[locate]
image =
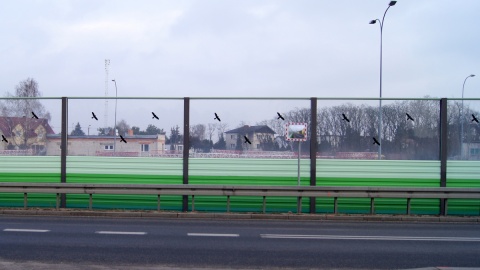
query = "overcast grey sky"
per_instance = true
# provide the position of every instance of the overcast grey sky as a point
(245, 48)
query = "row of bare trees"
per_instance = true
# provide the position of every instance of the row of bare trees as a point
(402, 138)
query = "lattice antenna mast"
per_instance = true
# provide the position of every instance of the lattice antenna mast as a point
(107, 64)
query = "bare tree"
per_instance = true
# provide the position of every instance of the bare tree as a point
(22, 110)
(198, 131)
(27, 91)
(221, 128)
(211, 129)
(123, 127)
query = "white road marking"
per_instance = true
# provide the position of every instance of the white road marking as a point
(24, 230)
(123, 233)
(214, 234)
(384, 238)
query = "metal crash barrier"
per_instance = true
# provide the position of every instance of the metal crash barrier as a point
(228, 191)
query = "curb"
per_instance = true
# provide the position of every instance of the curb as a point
(237, 216)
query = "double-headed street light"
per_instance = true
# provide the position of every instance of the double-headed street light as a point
(462, 117)
(391, 4)
(115, 126)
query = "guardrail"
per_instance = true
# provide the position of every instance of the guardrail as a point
(228, 191)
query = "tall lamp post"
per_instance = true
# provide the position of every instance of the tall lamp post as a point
(462, 117)
(391, 4)
(115, 126)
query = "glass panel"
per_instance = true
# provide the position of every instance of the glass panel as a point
(349, 129)
(144, 127)
(463, 130)
(220, 128)
(26, 125)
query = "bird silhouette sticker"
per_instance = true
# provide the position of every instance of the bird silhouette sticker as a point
(216, 117)
(122, 139)
(154, 116)
(34, 115)
(409, 117)
(94, 116)
(247, 140)
(4, 139)
(474, 118)
(344, 117)
(375, 141)
(280, 116)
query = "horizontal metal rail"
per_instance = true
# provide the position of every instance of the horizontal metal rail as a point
(261, 191)
(239, 98)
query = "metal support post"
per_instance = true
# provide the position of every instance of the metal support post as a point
(64, 150)
(186, 147)
(409, 206)
(299, 205)
(264, 205)
(443, 150)
(90, 201)
(313, 151)
(25, 200)
(228, 204)
(335, 205)
(372, 206)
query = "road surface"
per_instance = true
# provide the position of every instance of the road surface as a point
(127, 242)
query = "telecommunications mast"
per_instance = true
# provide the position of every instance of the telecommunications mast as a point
(107, 63)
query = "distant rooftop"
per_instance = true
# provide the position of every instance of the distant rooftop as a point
(252, 129)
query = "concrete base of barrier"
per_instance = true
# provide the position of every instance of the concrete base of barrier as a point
(223, 216)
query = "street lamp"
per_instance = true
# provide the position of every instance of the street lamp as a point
(391, 4)
(462, 117)
(115, 126)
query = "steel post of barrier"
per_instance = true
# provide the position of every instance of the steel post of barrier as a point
(186, 147)
(409, 206)
(443, 151)
(372, 206)
(313, 151)
(228, 204)
(64, 150)
(335, 205)
(264, 204)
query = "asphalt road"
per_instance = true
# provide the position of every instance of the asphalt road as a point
(223, 244)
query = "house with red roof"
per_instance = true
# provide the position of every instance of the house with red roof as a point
(24, 134)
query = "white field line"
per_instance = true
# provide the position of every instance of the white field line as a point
(24, 230)
(214, 234)
(384, 238)
(122, 233)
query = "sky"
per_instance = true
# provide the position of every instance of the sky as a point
(248, 48)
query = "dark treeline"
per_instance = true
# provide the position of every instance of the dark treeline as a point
(402, 138)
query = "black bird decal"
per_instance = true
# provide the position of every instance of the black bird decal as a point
(345, 118)
(474, 118)
(375, 141)
(4, 139)
(94, 116)
(216, 117)
(280, 116)
(34, 115)
(122, 139)
(247, 140)
(154, 116)
(410, 118)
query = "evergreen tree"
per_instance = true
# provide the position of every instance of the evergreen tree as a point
(221, 144)
(77, 131)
